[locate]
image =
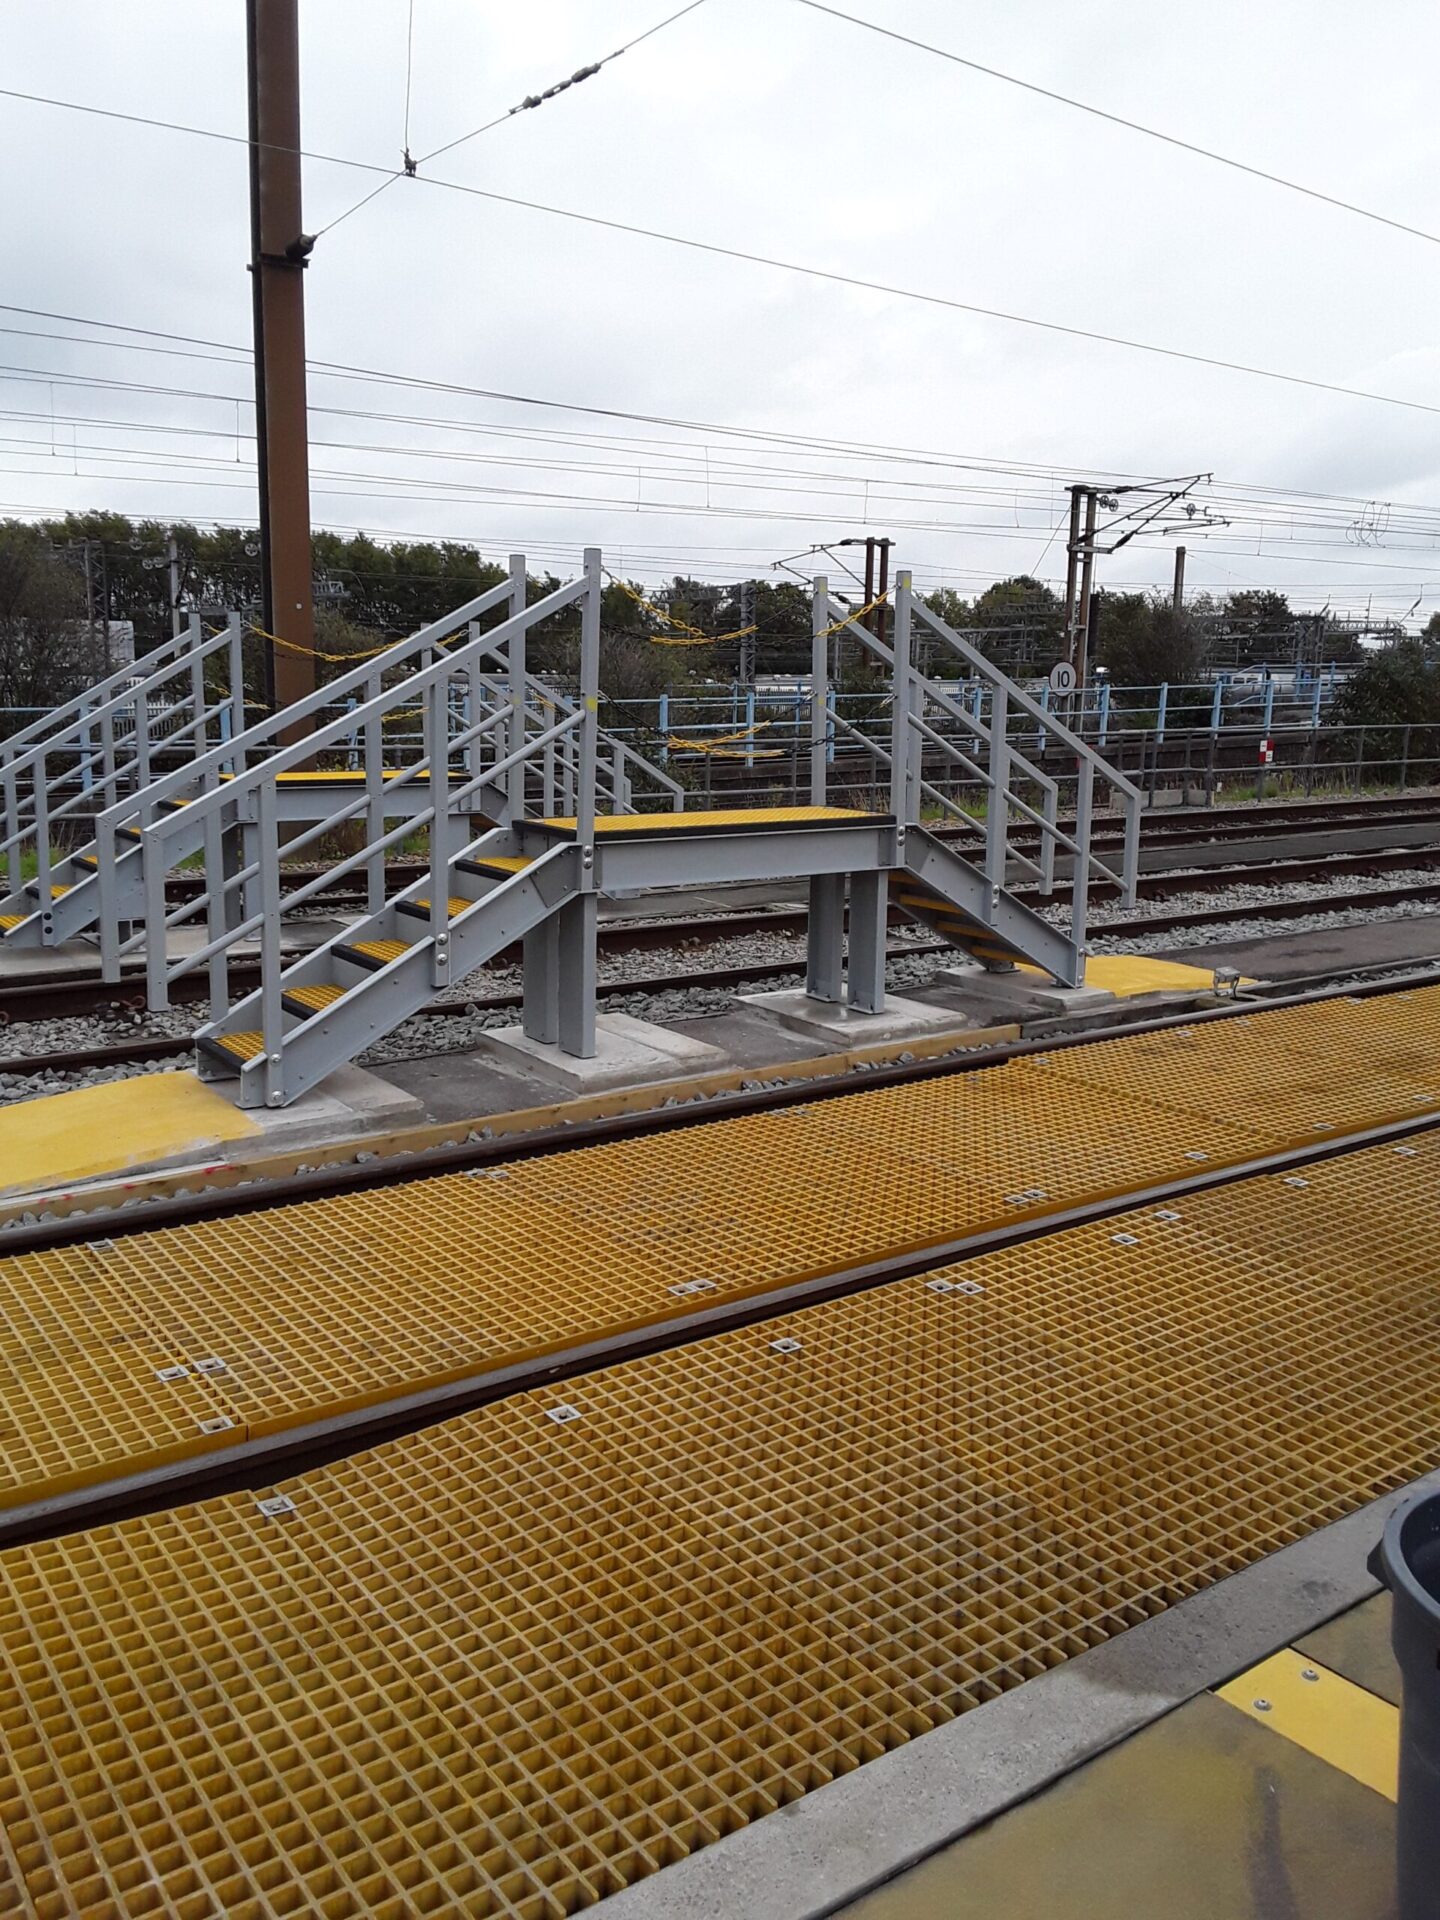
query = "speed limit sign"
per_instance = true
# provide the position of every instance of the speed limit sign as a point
(1062, 677)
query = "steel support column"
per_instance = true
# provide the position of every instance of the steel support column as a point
(540, 974)
(825, 937)
(865, 973)
(576, 924)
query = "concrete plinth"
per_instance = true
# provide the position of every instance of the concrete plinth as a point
(348, 1101)
(628, 1053)
(843, 1027)
(1019, 992)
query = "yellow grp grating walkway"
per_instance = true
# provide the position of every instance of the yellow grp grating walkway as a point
(525, 1658)
(246, 1327)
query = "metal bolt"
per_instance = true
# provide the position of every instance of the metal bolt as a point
(1262, 1706)
(1308, 1673)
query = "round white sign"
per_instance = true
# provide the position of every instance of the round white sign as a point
(1062, 677)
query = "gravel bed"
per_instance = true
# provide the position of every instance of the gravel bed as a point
(421, 1036)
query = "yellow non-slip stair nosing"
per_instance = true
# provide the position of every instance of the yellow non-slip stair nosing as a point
(522, 1659)
(1339, 1722)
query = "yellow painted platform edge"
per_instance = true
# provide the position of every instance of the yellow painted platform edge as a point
(1342, 1724)
(161, 1182)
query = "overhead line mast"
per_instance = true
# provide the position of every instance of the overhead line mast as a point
(279, 250)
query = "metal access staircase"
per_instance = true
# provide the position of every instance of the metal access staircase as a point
(968, 904)
(497, 873)
(342, 760)
(105, 749)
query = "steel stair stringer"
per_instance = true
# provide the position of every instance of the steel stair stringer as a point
(946, 893)
(366, 997)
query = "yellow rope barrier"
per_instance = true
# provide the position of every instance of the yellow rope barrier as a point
(684, 635)
(341, 659)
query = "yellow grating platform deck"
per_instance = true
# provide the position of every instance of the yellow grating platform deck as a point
(525, 1658)
(328, 1306)
(735, 818)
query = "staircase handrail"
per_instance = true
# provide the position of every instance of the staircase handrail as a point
(254, 788)
(265, 731)
(177, 645)
(612, 741)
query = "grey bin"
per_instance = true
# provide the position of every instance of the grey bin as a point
(1407, 1559)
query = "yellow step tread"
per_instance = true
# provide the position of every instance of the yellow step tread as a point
(607, 823)
(240, 1046)
(381, 949)
(316, 998)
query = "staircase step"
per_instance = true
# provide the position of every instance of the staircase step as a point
(90, 861)
(420, 909)
(56, 893)
(311, 1000)
(231, 1049)
(491, 864)
(128, 833)
(373, 954)
(8, 921)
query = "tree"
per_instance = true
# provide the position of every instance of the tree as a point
(45, 648)
(1259, 626)
(1143, 642)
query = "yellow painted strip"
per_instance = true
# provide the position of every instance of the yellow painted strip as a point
(728, 817)
(71, 1136)
(1329, 1716)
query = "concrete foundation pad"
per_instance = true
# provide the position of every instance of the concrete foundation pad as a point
(350, 1101)
(628, 1053)
(837, 1022)
(1022, 992)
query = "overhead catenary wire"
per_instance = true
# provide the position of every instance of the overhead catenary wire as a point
(1119, 120)
(411, 166)
(826, 275)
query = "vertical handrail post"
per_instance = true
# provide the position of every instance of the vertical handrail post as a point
(267, 855)
(819, 689)
(438, 758)
(516, 660)
(154, 862)
(590, 725)
(900, 706)
(201, 735)
(1080, 887)
(236, 651)
(997, 820)
(374, 799)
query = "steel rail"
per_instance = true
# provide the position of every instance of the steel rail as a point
(302, 1448)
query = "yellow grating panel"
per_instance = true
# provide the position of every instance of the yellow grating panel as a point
(240, 1046)
(315, 999)
(504, 862)
(514, 1663)
(455, 904)
(381, 949)
(1310, 1072)
(331, 1305)
(729, 817)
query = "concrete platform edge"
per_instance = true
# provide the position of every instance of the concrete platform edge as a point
(841, 1841)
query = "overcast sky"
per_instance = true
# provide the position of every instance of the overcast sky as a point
(759, 125)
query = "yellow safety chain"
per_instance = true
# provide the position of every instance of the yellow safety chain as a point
(342, 659)
(721, 739)
(683, 635)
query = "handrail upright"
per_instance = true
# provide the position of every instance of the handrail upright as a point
(997, 819)
(588, 757)
(374, 731)
(437, 720)
(819, 689)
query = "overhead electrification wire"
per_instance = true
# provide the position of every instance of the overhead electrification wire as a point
(824, 274)
(809, 447)
(1119, 120)
(412, 166)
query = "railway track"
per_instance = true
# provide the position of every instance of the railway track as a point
(755, 974)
